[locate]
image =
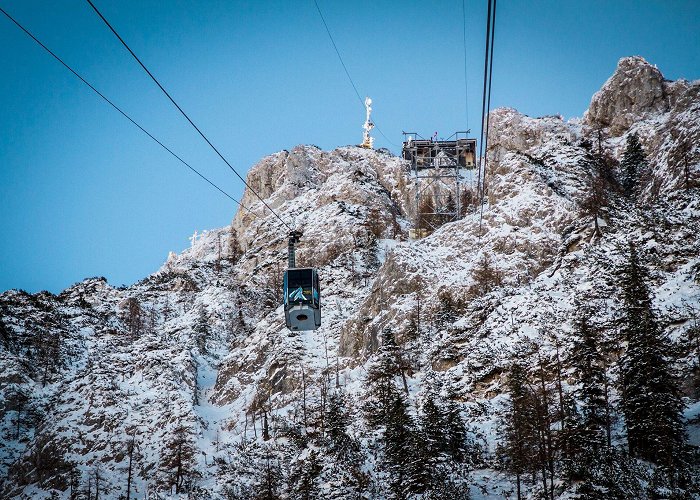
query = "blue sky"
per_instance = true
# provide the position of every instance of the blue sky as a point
(84, 193)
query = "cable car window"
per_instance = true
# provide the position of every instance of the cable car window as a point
(300, 286)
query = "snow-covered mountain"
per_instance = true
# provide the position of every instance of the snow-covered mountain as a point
(187, 383)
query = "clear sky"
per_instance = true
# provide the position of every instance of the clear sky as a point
(84, 193)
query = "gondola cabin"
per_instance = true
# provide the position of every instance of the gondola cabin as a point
(302, 299)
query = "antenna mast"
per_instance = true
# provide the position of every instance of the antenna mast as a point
(367, 140)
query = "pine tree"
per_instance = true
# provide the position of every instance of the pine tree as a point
(573, 443)
(47, 344)
(133, 316)
(178, 460)
(413, 331)
(590, 372)
(651, 400)
(305, 478)
(455, 431)
(150, 321)
(442, 446)
(337, 423)
(449, 209)
(267, 488)
(17, 400)
(387, 408)
(521, 441)
(134, 456)
(545, 435)
(447, 310)
(387, 365)
(234, 247)
(432, 424)
(6, 336)
(595, 198)
(45, 463)
(370, 254)
(404, 457)
(611, 476)
(486, 276)
(684, 157)
(633, 165)
(96, 480)
(201, 329)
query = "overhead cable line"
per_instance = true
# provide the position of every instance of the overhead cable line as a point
(466, 84)
(185, 114)
(483, 97)
(122, 112)
(345, 68)
(486, 104)
(464, 41)
(488, 98)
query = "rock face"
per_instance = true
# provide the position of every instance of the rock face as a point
(321, 193)
(636, 89)
(195, 361)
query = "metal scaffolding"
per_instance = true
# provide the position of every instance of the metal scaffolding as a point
(437, 163)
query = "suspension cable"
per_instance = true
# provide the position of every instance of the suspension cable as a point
(486, 104)
(488, 99)
(483, 99)
(345, 68)
(464, 41)
(122, 112)
(185, 114)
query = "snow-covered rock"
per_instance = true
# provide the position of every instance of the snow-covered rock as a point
(198, 354)
(636, 89)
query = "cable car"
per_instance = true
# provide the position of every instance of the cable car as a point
(302, 293)
(302, 299)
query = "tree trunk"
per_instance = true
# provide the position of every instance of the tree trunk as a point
(178, 471)
(131, 455)
(303, 401)
(546, 431)
(266, 430)
(19, 415)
